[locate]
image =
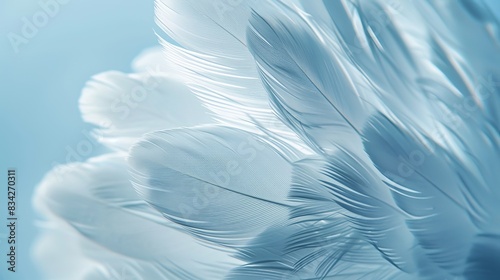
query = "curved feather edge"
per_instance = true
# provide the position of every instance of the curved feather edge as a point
(237, 191)
(96, 200)
(126, 106)
(315, 246)
(214, 61)
(366, 204)
(434, 187)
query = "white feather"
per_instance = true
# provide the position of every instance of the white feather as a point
(214, 61)
(97, 201)
(126, 106)
(223, 184)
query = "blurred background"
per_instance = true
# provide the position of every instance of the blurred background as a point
(41, 76)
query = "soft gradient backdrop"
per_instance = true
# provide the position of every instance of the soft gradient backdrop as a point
(40, 86)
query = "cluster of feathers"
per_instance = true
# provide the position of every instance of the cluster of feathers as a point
(293, 139)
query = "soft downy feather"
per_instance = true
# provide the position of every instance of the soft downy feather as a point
(126, 106)
(238, 199)
(238, 189)
(97, 201)
(58, 253)
(152, 60)
(212, 58)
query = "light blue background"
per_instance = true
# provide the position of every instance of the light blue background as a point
(40, 87)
